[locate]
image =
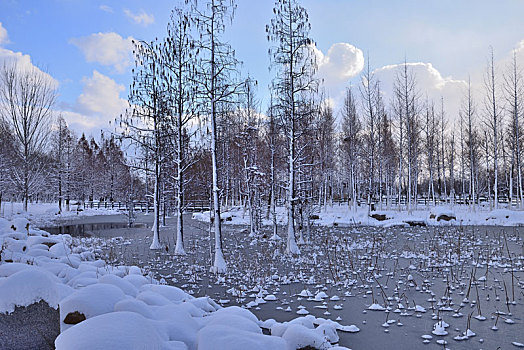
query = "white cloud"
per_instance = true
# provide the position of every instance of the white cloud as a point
(79, 122)
(23, 62)
(428, 77)
(106, 8)
(108, 49)
(101, 97)
(3, 35)
(503, 65)
(429, 81)
(337, 67)
(99, 102)
(98, 105)
(342, 62)
(140, 18)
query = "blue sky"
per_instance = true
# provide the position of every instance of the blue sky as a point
(84, 44)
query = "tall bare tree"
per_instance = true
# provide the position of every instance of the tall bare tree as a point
(62, 148)
(249, 142)
(294, 60)
(351, 133)
(468, 114)
(431, 134)
(144, 124)
(493, 120)
(369, 90)
(27, 97)
(217, 87)
(178, 58)
(406, 108)
(274, 143)
(514, 94)
(325, 135)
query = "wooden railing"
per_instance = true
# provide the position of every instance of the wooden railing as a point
(143, 206)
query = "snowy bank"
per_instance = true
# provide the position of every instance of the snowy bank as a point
(44, 214)
(344, 216)
(116, 307)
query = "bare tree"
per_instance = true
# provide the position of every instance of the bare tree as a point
(295, 61)
(441, 151)
(406, 108)
(62, 154)
(325, 150)
(431, 143)
(451, 162)
(388, 154)
(178, 57)
(351, 133)
(369, 90)
(514, 92)
(27, 97)
(273, 141)
(493, 120)
(144, 124)
(467, 113)
(248, 140)
(217, 86)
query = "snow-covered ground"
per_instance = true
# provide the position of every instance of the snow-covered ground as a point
(343, 216)
(117, 307)
(45, 214)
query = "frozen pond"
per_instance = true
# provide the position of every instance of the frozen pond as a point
(399, 286)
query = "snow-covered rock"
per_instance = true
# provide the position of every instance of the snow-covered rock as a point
(29, 286)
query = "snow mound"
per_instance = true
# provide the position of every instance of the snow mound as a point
(90, 301)
(224, 337)
(26, 287)
(298, 336)
(115, 330)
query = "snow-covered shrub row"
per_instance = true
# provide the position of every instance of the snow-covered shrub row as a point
(116, 307)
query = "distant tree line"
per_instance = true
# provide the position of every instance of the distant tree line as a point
(41, 159)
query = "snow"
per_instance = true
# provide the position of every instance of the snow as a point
(270, 297)
(298, 336)
(225, 337)
(344, 216)
(46, 213)
(115, 330)
(127, 287)
(29, 286)
(109, 307)
(305, 293)
(439, 329)
(70, 277)
(376, 307)
(93, 300)
(219, 265)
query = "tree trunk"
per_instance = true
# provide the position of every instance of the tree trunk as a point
(219, 265)
(156, 211)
